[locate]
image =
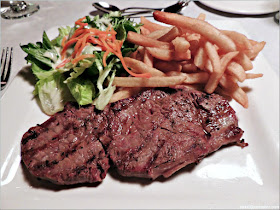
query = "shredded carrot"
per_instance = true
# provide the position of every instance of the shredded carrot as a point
(106, 40)
(79, 22)
(63, 63)
(78, 32)
(77, 47)
(84, 42)
(81, 57)
(63, 41)
(68, 44)
(105, 56)
(94, 41)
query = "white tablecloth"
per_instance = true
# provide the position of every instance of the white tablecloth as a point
(57, 13)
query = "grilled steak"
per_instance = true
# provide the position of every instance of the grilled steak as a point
(155, 133)
(65, 149)
(161, 131)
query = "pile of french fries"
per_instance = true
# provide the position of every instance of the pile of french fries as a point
(190, 52)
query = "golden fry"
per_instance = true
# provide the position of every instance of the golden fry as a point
(191, 78)
(188, 67)
(159, 33)
(244, 61)
(200, 58)
(124, 93)
(208, 65)
(253, 76)
(215, 76)
(148, 82)
(170, 35)
(144, 31)
(142, 40)
(214, 35)
(252, 53)
(190, 52)
(167, 66)
(148, 58)
(226, 59)
(162, 54)
(241, 41)
(150, 25)
(235, 69)
(140, 67)
(181, 46)
(232, 89)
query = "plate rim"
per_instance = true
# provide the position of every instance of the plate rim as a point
(213, 5)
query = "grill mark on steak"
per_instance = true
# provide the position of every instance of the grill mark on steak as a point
(182, 114)
(33, 135)
(155, 133)
(64, 152)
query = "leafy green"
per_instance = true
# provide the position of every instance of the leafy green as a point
(86, 82)
(53, 93)
(105, 94)
(62, 33)
(42, 54)
(82, 90)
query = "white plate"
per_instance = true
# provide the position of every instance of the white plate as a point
(244, 7)
(230, 178)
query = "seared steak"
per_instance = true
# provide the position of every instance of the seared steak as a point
(161, 131)
(155, 133)
(65, 149)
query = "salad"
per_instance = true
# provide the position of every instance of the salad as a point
(81, 62)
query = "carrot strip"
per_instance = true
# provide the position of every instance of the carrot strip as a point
(63, 41)
(77, 47)
(105, 44)
(81, 57)
(70, 42)
(93, 40)
(104, 57)
(83, 44)
(79, 22)
(78, 32)
(63, 63)
(106, 40)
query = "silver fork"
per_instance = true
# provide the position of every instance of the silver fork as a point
(6, 63)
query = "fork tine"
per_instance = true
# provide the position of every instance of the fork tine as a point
(2, 63)
(6, 66)
(9, 55)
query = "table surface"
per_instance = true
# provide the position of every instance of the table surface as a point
(250, 173)
(57, 13)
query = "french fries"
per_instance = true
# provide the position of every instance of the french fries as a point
(159, 33)
(240, 40)
(148, 58)
(162, 54)
(214, 78)
(236, 70)
(188, 67)
(173, 33)
(166, 66)
(124, 93)
(199, 26)
(140, 67)
(149, 82)
(189, 52)
(150, 25)
(181, 48)
(142, 40)
(200, 58)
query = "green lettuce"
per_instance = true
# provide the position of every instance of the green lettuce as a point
(53, 93)
(82, 90)
(86, 82)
